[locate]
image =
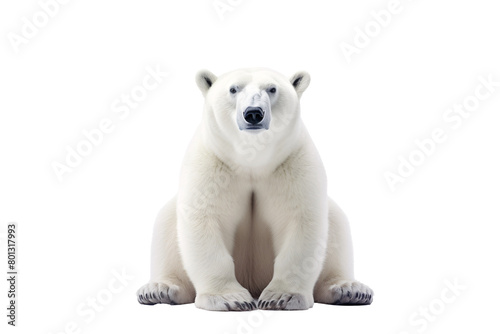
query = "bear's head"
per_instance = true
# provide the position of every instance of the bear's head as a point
(251, 114)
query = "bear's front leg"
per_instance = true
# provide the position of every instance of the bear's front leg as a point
(297, 266)
(293, 202)
(209, 264)
(210, 205)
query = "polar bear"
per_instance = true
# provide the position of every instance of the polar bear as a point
(252, 225)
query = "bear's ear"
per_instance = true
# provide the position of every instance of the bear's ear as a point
(205, 79)
(300, 81)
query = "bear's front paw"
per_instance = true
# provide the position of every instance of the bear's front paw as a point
(160, 293)
(350, 293)
(228, 301)
(271, 300)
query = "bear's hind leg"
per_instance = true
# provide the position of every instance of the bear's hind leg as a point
(336, 284)
(169, 283)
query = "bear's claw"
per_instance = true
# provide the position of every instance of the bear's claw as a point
(282, 301)
(351, 293)
(157, 293)
(233, 301)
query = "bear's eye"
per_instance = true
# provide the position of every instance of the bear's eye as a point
(272, 90)
(233, 90)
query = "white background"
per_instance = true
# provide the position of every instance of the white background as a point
(440, 224)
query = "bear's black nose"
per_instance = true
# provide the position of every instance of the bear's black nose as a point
(253, 115)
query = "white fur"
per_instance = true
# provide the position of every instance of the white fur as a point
(252, 218)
